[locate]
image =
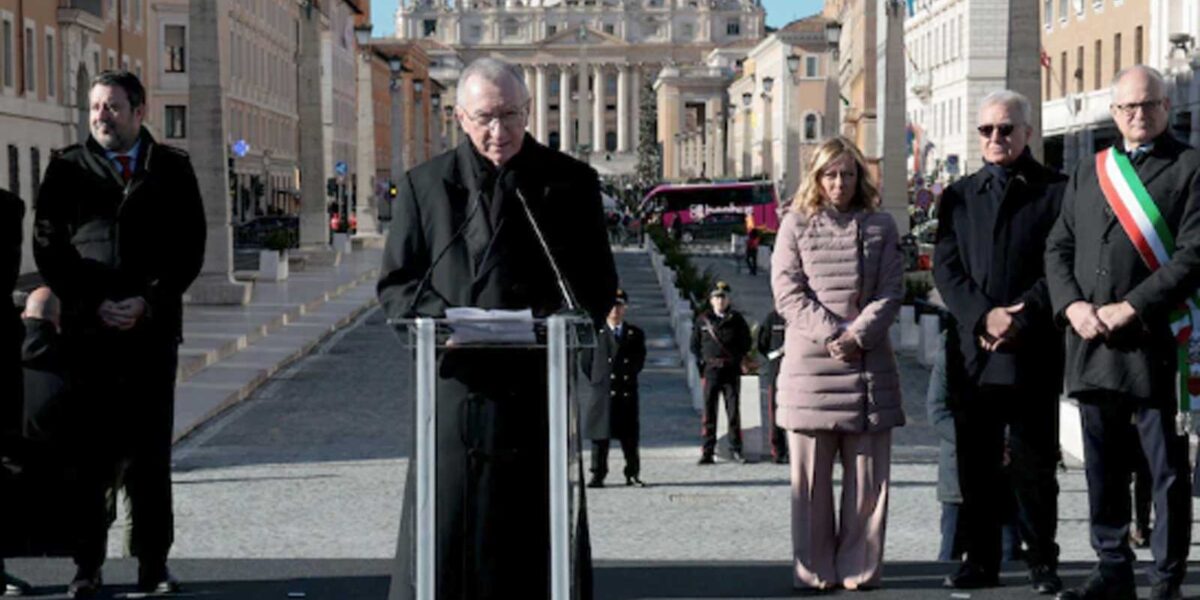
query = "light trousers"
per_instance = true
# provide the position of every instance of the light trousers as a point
(848, 552)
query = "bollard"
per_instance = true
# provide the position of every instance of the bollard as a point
(910, 336)
(930, 340)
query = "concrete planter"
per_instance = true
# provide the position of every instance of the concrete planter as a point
(272, 265)
(342, 243)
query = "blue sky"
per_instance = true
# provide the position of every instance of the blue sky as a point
(779, 13)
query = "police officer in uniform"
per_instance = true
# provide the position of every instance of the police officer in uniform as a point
(613, 407)
(720, 340)
(770, 345)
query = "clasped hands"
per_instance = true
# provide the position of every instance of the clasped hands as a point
(1092, 322)
(1000, 326)
(844, 347)
(122, 315)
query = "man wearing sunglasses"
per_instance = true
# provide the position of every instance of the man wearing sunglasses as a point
(466, 233)
(1003, 353)
(1122, 258)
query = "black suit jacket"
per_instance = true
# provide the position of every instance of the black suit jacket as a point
(12, 213)
(1089, 257)
(429, 220)
(612, 371)
(986, 258)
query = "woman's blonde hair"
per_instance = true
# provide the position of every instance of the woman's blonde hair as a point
(809, 199)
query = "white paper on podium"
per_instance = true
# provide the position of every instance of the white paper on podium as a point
(471, 325)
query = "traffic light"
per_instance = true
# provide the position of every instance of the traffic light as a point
(392, 191)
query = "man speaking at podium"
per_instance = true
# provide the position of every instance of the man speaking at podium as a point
(465, 232)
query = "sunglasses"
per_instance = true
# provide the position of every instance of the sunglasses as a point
(1005, 129)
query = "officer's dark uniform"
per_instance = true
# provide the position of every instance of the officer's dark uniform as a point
(719, 344)
(612, 410)
(770, 339)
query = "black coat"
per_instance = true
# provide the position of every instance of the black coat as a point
(96, 238)
(986, 257)
(1089, 257)
(770, 339)
(726, 345)
(12, 213)
(612, 370)
(49, 416)
(429, 219)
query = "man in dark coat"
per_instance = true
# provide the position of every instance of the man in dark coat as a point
(461, 237)
(612, 410)
(770, 345)
(1121, 353)
(1006, 372)
(119, 236)
(12, 220)
(720, 340)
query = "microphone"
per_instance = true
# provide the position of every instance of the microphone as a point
(563, 288)
(411, 311)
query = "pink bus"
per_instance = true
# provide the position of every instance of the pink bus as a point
(714, 210)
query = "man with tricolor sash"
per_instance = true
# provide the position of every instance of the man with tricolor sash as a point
(1123, 268)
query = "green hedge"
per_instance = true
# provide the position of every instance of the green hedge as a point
(692, 282)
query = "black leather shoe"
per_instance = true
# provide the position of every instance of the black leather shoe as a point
(15, 586)
(156, 579)
(705, 459)
(1045, 580)
(595, 482)
(85, 584)
(970, 576)
(633, 480)
(736, 456)
(1165, 591)
(1097, 587)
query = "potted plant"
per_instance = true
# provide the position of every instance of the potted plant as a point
(273, 258)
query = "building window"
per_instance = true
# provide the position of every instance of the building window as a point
(1079, 70)
(8, 52)
(1049, 80)
(1062, 75)
(35, 172)
(551, 30)
(811, 128)
(1098, 72)
(30, 61)
(429, 27)
(1048, 12)
(1116, 53)
(512, 28)
(610, 29)
(175, 48)
(811, 66)
(476, 31)
(733, 28)
(1062, 10)
(14, 170)
(175, 123)
(137, 14)
(1137, 45)
(50, 82)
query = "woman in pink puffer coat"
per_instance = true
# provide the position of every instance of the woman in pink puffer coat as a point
(837, 275)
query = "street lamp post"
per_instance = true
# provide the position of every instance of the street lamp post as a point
(396, 168)
(790, 171)
(747, 162)
(768, 135)
(420, 153)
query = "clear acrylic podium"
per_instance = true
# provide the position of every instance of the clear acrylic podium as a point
(561, 338)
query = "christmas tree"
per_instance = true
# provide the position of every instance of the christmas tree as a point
(649, 152)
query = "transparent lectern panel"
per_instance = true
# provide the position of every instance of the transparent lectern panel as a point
(496, 474)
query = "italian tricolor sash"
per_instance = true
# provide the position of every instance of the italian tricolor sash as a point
(1148, 231)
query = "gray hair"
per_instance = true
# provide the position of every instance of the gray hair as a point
(1015, 101)
(493, 70)
(1159, 83)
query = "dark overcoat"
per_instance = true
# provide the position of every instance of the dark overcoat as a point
(612, 371)
(986, 256)
(12, 212)
(1090, 258)
(492, 484)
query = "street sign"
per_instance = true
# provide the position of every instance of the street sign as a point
(952, 164)
(240, 148)
(341, 168)
(924, 198)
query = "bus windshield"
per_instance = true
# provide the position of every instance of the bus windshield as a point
(699, 202)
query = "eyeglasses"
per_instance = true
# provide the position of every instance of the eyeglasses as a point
(1005, 130)
(508, 118)
(1129, 108)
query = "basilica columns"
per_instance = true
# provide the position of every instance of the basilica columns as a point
(542, 106)
(566, 125)
(623, 122)
(599, 137)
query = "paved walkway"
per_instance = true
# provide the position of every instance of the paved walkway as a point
(229, 351)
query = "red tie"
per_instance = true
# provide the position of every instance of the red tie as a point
(126, 167)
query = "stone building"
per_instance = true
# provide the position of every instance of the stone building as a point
(49, 51)
(585, 61)
(956, 56)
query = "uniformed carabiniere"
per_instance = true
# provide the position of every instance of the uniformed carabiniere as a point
(612, 411)
(720, 340)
